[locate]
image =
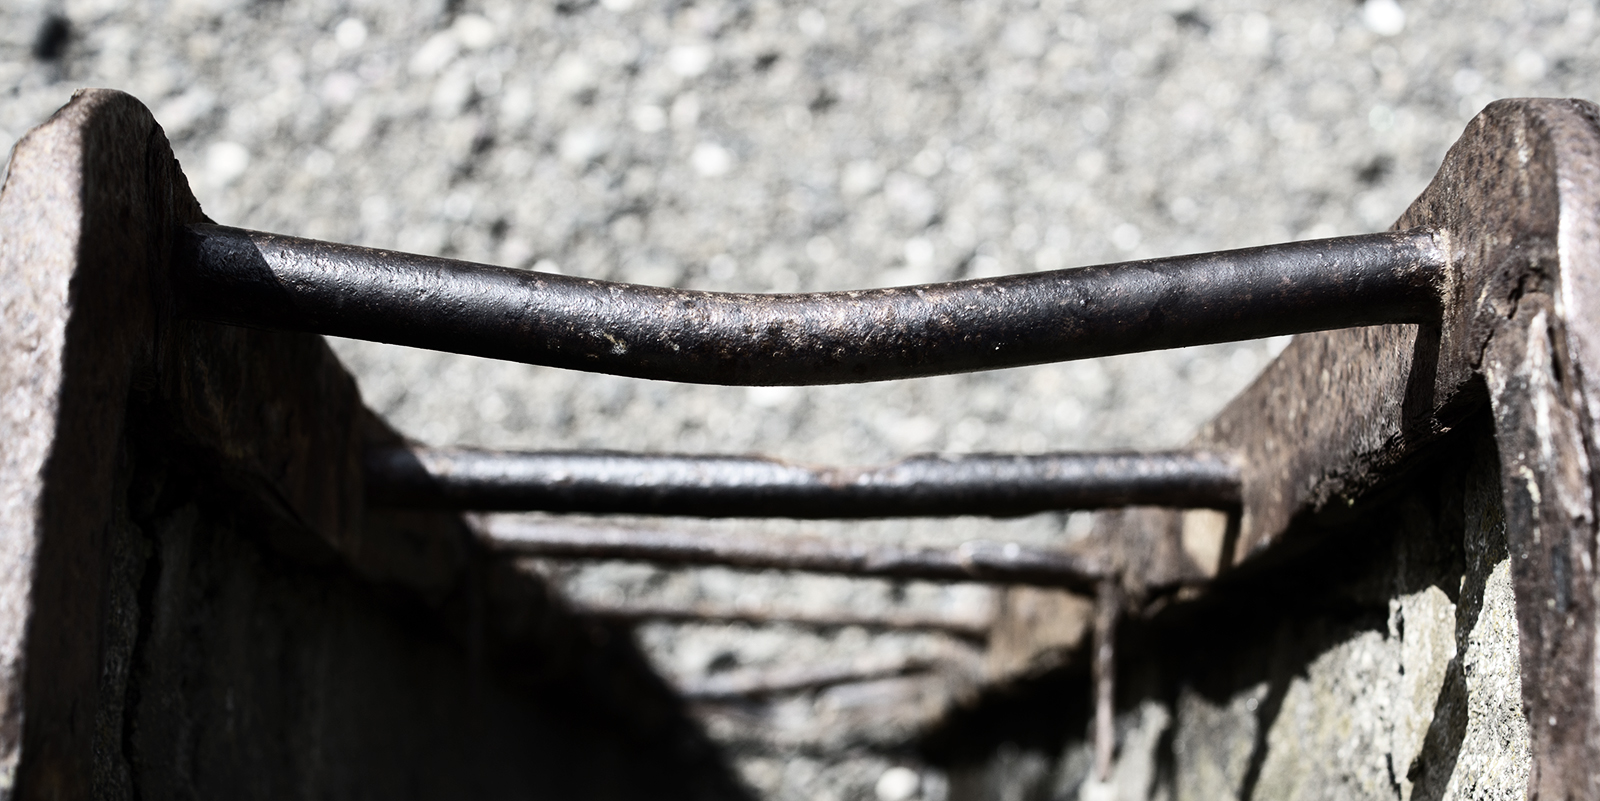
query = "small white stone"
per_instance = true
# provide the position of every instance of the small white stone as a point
(1529, 66)
(911, 198)
(1025, 237)
(226, 161)
(340, 88)
(686, 110)
(711, 160)
(986, 267)
(770, 397)
(488, 81)
(458, 206)
(820, 249)
(1126, 237)
(721, 267)
(473, 31)
(649, 118)
(690, 60)
(1466, 81)
(1025, 37)
(860, 177)
(573, 74)
(375, 211)
(928, 163)
(319, 162)
(1380, 118)
(350, 33)
(1091, 163)
(897, 784)
(1049, 258)
(1095, 119)
(1094, 790)
(1256, 30)
(812, 23)
(182, 112)
(1184, 209)
(1383, 17)
(919, 253)
(435, 54)
(583, 145)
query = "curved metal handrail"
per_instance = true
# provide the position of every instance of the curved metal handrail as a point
(249, 278)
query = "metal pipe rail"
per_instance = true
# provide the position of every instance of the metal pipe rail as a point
(749, 683)
(732, 486)
(633, 613)
(978, 560)
(1338, 437)
(230, 275)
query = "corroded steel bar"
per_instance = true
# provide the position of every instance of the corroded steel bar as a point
(777, 681)
(1108, 609)
(248, 278)
(975, 560)
(704, 612)
(734, 486)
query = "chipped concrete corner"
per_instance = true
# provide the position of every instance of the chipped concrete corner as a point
(1389, 670)
(1423, 704)
(194, 600)
(1407, 603)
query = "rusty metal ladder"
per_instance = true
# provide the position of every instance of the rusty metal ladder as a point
(1436, 275)
(1486, 292)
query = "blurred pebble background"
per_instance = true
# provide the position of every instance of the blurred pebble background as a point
(776, 147)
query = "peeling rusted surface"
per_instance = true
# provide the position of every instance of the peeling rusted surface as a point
(996, 485)
(271, 281)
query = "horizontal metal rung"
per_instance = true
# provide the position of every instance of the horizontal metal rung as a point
(972, 561)
(704, 612)
(230, 275)
(734, 486)
(744, 684)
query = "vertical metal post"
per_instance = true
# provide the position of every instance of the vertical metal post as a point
(1108, 608)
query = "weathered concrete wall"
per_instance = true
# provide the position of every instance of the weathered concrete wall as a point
(1382, 665)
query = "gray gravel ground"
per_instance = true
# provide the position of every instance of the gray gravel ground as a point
(769, 146)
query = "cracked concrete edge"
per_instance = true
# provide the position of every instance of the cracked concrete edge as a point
(39, 233)
(1516, 202)
(1516, 205)
(89, 201)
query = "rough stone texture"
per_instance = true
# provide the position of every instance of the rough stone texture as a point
(1392, 709)
(1384, 670)
(203, 606)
